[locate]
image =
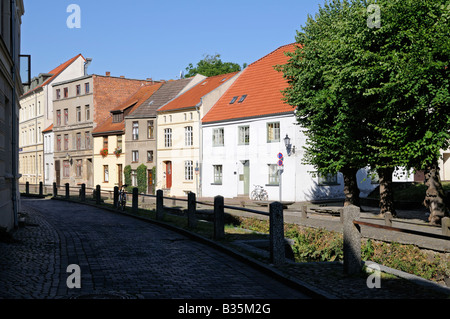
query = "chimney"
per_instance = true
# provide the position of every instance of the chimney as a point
(122, 76)
(108, 73)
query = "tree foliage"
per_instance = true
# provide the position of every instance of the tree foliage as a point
(212, 65)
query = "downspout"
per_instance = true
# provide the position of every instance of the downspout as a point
(13, 116)
(200, 147)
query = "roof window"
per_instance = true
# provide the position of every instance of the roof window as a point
(242, 98)
(234, 99)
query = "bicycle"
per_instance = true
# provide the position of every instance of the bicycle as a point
(122, 201)
(259, 193)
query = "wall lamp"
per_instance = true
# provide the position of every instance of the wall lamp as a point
(290, 149)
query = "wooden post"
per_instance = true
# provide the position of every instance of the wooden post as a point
(134, 203)
(67, 191)
(98, 195)
(219, 218)
(116, 196)
(352, 241)
(55, 190)
(27, 188)
(445, 226)
(277, 243)
(159, 205)
(83, 193)
(41, 189)
(192, 207)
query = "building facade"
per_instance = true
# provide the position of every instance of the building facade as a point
(80, 105)
(110, 148)
(37, 114)
(141, 132)
(11, 89)
(179, 142)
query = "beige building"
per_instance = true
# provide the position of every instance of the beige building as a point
(36, 115)
(179, 144)
(10, 91)
(80, 104)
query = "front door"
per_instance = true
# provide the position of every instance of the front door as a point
(119, 173)
(150, 181)
(168, 174)
(58, 172)
(246, 177)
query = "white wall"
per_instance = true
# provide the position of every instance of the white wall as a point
(49, 166)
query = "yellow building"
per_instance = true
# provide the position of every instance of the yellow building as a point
(109, 141)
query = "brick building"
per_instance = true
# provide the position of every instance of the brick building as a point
(79, 106)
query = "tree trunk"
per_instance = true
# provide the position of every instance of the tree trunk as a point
(351, 190)
(386, 191)
(434, 197)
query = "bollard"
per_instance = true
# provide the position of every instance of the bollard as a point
(55, 190)
(277, 244)
(41, 189)
(83, 192)
(192, 207)
(67, 191)
(134, 202)
(219, 218)
(388, 219)
(116, 196)
(304, 214)
(97, 195)
(445, 226)
(352, 241)
(341, 215)
(27, 188)
(159, 205)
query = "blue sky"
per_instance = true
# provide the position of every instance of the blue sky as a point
(145, 38)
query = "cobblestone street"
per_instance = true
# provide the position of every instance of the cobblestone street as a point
(119, 257)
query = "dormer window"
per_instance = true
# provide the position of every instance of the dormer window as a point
(117, 117)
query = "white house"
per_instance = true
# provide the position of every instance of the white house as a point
(244, 135)
(49, 169)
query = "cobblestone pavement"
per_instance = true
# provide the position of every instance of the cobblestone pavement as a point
(119, 257)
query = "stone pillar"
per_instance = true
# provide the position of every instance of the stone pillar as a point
(277, 243)
(445, 226)
(159, 204)
(192, 207)
(304, 214)
(388, 219)
(219, 218)
(352, 241)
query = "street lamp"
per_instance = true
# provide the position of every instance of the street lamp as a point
(289, 147)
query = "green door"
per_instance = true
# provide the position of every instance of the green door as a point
(247, 177)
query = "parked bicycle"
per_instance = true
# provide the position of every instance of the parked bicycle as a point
(122, 201)
(259, 193)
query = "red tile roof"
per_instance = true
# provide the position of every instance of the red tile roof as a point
(262, 84)
(48, 129)
(56, 71)
(193, 96)
(134, 101)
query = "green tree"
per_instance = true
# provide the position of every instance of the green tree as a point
(212, 65)
(370, 95)
(127, 174)
(141, 173)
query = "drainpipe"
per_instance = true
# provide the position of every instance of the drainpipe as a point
(200, 146)
(14, 116)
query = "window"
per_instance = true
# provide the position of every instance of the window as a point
(39, 134)
(78, 89)
(105, 173)
(191, 116)
(150, 156)
(244, 135)
(66, 142)
(328, 179)
(168, 137)
(218, 139)
(188, 170)
(86, 88)
(66, 116)
(39, 107)
(87, 140)
(87, 112)
(135, 156)
(117, 117)
(58, 118)
(234, 99)
(217, 174)
(135, 131)
(134, 182)
(66, 92)
(119, 141)
(105, 142)
(66, 168)
(58, 143)
(150, 128)
(273, 132)
(58, 94)
(78, 141)
(78, 113)
(188, 136)
(274, 177)
(242, 98)
(79, 167)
